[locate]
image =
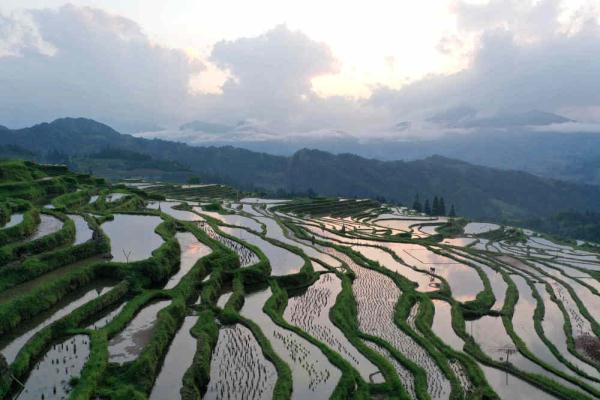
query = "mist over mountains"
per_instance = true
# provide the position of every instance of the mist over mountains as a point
(538, 142)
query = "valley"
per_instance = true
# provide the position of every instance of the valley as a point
(144, 289)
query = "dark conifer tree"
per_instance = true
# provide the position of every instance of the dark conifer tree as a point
(442, 207)
(417, 204)
(452, 213)
(427, 209)
(435, 208)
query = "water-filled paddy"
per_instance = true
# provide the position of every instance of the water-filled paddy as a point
(130, 342)
(425, 282)
(191, 251)
(464, 281)
(178, 359)
(401, 224)
(107, 317)
(168, 207)
(132, 237)
(48, 225)
(248, 208)
(506, 385)
(523, 323)
(112, 197)
(247, 257)
(83, 233)
(459, 242)
(376, 296)
(11, 344)
(283, 262)
(50, 377)
(312, 374)
(497, 282)
(223, 299)
(477, 228)
(442, 325)
(238, 368)
(275, 231)
(379, 306)
(406, 377)
(309, 311)
(553, 326)
(240, 220)
(14, 220)
(491, 336)
(256, 200)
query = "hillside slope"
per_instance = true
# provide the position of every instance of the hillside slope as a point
(478, 192)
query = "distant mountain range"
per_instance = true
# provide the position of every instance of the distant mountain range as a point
(531, 141)
(478, 192)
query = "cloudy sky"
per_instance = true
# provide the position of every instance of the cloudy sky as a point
(287, 66)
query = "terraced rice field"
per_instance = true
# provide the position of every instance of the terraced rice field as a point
(182, 292)
(238, 368)
(313, 374)
(129, 343)
(376, 296)
(310, 312)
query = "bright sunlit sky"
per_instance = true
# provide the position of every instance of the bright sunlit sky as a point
(288, 66)
(376, 42)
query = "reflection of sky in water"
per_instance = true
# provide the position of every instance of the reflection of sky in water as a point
(128, 344)
(240, 220)
(177, 361)
(83, 233)
(191, 251)
(460, 242)
(442, 325)
(48, 224)
(11, 349)
(298, 353)
(553, 318)
(133, 235)
(112, 197)
(255, 200)
(464, 281)
(275, 231)
(490, 334)
(50, 377)
(14, 220)
(387, 261)
(476, 228)
(309, 311)
(168, 207)
(282, 261)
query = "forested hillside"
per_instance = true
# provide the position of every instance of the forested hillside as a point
(477, 192)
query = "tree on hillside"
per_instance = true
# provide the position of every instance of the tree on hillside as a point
(427, 209)
(452, 213)
(442, 207)
(417, 204)
(435, 207)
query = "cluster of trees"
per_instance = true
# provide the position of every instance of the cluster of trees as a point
(437, 207)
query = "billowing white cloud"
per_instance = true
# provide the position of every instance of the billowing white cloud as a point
(271, 82)
(529, 61)
(19, 36)
(100, 65)
(74, 61)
